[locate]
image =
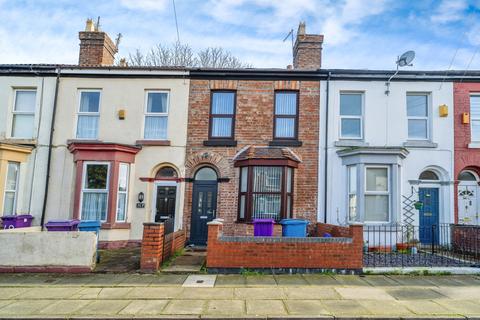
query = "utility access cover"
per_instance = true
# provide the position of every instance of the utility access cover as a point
(200, 281)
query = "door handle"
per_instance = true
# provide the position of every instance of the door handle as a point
(214, 212)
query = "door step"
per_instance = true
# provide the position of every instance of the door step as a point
(189, 262)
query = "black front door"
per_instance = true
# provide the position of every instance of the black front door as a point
(166, 196)
(204, 207)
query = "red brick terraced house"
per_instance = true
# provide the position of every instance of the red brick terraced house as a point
(252, 144)
(467, 151)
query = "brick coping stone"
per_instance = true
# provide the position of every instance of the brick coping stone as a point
(285, 239)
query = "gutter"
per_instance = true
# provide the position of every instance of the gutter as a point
(50, 143)
(326, 151)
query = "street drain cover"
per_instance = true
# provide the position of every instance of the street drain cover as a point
(201, 281)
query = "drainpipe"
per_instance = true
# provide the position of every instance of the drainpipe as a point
(49, 159)
(325, 192)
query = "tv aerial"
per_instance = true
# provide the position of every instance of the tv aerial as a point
(405, 60)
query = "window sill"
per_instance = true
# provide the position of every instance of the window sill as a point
(285, 143)
(351, 143)
(116, 225)
(220, 143)
(420, 144)
(474, 145)
(153, 142)
(30, 142)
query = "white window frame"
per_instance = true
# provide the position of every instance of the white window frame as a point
(14, 209)
(426, 118)
(476, 94)
(83, 189)
(155, 114)
(122, 192)
(377, 193)
(14, 113)
(355, 193)
(359, 117)
(88, 114)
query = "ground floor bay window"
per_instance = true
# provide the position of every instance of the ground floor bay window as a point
(265, 187)
(102, 179)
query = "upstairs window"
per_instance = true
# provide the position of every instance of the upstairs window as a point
(222, 115)
(11, 187)
(286, 115)
(475, 117)
(88, 115)
(351, 115)
(95, 191)
(417, 114)
(24, 114)
(156, 115)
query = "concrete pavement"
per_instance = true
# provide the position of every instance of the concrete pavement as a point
(236, 296)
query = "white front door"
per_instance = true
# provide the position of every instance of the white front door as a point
(468, 203)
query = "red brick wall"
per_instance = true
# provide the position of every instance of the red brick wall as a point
(157, 247)
(466, 239)
(335, 231)
(308, 255)
(464, 157)
(96, 48)
(253, 126)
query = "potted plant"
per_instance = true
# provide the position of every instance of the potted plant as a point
(413, 246)
(418, 205)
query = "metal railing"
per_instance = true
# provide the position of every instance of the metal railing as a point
(417, 246)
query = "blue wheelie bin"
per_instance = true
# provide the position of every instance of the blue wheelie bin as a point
(91, 225)
(294, 228)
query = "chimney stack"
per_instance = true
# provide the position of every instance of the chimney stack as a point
(307, 51)
(96, 47)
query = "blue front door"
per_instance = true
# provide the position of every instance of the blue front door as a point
(429, 215)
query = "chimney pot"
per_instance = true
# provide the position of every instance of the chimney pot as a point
(307, 51)
(89, 27)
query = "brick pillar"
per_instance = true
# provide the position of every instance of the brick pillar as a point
(356, 232)
(152, 246)
(214, 230)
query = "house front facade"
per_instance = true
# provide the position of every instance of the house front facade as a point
(387, 147)
(27, 95)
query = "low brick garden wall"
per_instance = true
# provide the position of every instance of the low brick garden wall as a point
(466, 238)
(158, 247)
(340, 253)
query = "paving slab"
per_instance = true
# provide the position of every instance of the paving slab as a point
(114, 293)
(10, 293)
(379, 281)
(3, 303)
(103, 307)
(144, 307)
(200, 280)
(74, 280)
(306, 307)
(426, 307)
(137, 280)
(107, 279)
(226, 308)
(206, 293)
(50, 293)
(364, 293)
(411, 281)
(182, 307)
(154, 293)
(446, 281)
(290, 280)
(63, 307)
(464, 307)
(385, 308)
(350, 280)
(312, 292)
(24, 307)
(87, 293)
(230, 280)
(259, 293)
(345, 308)
(266, 308)
(460, 293)
(414, 293)
(260, 281)
(168, 279)
(320, 280)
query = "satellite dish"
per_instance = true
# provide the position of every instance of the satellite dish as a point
(406, 58)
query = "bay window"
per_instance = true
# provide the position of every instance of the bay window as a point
(286, 115)
(88, 114)
(95, 191)
(265, 192)
(377, 194)
(351, 115)
(352, 193)
(417, 115)
(122, 193)
(11, 188)
(24, 114)
(156, 115)
(222, 115)
(475, 117)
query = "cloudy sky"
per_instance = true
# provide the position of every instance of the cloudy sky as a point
(358, 33)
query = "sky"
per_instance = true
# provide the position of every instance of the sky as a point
(359, 34)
